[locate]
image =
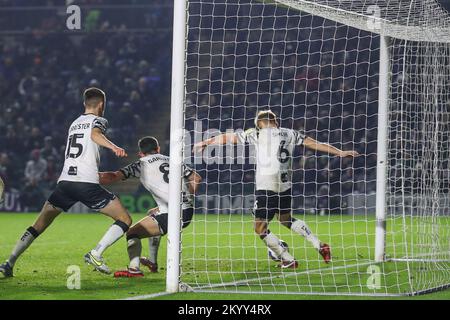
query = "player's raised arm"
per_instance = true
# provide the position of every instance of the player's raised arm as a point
(99, 138)
(310, 143)
(223, 138)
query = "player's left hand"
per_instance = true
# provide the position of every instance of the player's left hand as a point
(350, 153)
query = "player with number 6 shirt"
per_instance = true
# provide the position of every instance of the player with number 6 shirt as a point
(274, 147)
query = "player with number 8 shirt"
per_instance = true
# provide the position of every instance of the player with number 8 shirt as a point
(152, 169)
(274, 147)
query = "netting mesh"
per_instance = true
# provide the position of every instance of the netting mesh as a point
(415, 20)
(418, 158)
(319, 76)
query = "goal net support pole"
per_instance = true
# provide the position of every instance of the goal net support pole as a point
(176, 146)
(382, 141)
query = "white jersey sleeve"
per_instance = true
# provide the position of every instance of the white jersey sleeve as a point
(298, 137)
(100, 123)
(248, 136)
(132, 170)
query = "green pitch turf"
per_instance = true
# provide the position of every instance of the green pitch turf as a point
(216, 249)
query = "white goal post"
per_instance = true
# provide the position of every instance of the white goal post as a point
(176, 145)
(383, 101)
(367, 74)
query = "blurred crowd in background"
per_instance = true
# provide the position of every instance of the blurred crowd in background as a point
(42, 77)
(318, 77)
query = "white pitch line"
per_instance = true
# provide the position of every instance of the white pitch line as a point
(436, 257)
(420, 260)
(147, 296)
(246, 281)
(351, 294)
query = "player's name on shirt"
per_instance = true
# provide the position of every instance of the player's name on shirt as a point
(279, 133)
(80, 126)
(157, 158)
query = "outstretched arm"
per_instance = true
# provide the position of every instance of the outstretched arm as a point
(310, 143)
(99, 138)
(217, 140)
(110, 177)
(131, 170)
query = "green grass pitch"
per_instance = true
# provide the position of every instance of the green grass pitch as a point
(214, 246)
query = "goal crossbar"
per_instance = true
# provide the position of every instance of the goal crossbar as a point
(370, 22)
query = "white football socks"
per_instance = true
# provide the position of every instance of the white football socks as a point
(153, 246)
(134, 248)
(273, 243)
(114, 233)
(24, 242)
(300, 227)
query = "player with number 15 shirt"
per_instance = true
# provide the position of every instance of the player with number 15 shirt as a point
(82, 156)
(79, 182)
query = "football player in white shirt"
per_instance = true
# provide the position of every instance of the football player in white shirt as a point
(153, 171)
(79, 182)
(274, 147)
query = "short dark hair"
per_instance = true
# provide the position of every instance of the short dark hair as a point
(92, 96)
(148, 144)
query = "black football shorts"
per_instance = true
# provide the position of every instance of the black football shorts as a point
(67, 193)
(162, 219)
(269, 203)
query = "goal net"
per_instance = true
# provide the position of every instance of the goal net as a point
(365, 75)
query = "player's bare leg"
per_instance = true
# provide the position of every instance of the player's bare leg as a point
(46, 217)
(272, 242)
(44, 220)
(146, 227)
(300, 227)
(119, 214)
